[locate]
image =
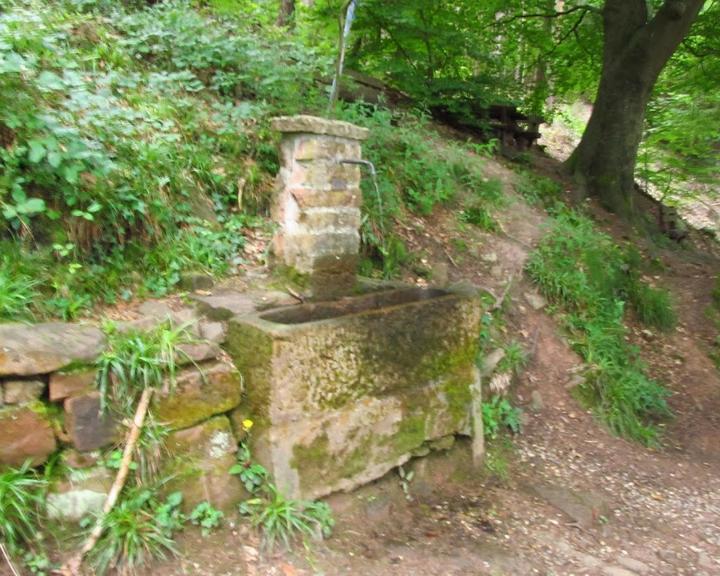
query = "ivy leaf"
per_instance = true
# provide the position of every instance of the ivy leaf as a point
(54, 159)
(48, 81)
(31, 206)
(37, 151)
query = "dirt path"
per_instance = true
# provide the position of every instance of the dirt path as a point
(575, 500)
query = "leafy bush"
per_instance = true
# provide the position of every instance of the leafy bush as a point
(583, 271)
(499, 414)
(207, 517)
(22, 494)
(128, 135)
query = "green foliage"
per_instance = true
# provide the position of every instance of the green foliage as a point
(499, 414)
(128, 135)
(207, 517)
(515, 358)
(133, 534)
(416, 170)
(168, 514)
(653, 306)
(585, 273)
(17, 293)
(253, 476)
(537, 190)
(22, 494)
(136, 360)
(283, 520)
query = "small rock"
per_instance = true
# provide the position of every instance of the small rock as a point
(196, 281)
(81, 494)
(633, 564)
(536, 401)
(22, 391)
(535, 300)
(491, 361)
(616, 571)
(213, 331)
(490, 257)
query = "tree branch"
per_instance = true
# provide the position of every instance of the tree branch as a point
(557, 14)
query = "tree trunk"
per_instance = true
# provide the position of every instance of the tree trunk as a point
(286, 16)
(636, 49)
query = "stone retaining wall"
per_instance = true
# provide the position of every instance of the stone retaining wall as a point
(49, 405)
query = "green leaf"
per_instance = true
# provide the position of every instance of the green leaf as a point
(47, 81)
(37, 151)
(54, 159)
(31, 206)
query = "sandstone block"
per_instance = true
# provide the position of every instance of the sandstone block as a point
(312, 148)
(321, 220)
(312, 198)
(200, 394)
(22, 391)
(315, 125)
(43, 348)
(25, 434)
(88, 428)
(201, 457)
(66, 384)
(80, 494)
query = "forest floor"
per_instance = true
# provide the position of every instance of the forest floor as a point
(567, 497)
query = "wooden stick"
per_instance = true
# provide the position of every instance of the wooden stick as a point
(8, 560)
(72, 566)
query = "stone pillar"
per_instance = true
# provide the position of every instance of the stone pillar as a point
(317, 204)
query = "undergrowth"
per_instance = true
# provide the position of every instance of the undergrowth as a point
(22, 495)
(591, 279)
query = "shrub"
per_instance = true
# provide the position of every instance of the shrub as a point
(499, 414)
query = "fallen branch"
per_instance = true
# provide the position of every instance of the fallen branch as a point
(8, 560)
(72, 566)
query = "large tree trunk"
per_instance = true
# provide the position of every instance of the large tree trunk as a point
(286, 15)
(636, 49)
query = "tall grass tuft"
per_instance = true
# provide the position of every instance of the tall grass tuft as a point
(21, 504)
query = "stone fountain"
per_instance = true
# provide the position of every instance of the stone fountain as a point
(348, 386)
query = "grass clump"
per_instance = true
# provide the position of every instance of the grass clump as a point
(537, 190)
(22, 494)
(591, 279)
(284, 520)
(137, 530)
(136, 360)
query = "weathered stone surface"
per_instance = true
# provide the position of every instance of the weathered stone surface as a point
(213, 331)
(585, 508)
(43, 348)
(200, 394)
(196, 281)
(196, 352)
(342, 392)
(155, 312)
(66, 384)
(535, 300)
(226, 304)
(200, 459)
(87, 428)
(316, 125)
(331, 219)
(25, 434)
(308, 147)
(81, 494)
(22, 391)
(310, 198)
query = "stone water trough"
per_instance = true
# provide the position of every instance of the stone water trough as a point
(344, 390)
